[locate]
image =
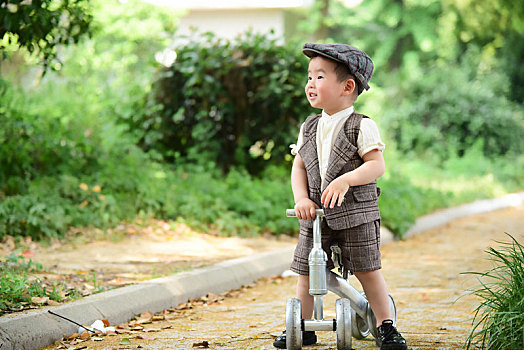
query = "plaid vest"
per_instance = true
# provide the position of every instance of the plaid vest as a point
(361, 202)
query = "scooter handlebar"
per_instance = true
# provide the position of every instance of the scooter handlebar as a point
(291, 212)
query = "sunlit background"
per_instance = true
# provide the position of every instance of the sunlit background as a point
(185, 110)
(153, 137)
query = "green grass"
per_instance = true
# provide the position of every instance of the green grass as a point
(18, 285)
(415, 186)
(499, 319)
(15, 287)
(237, 204)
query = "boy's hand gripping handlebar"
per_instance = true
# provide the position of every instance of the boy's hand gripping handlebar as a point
(291, 212)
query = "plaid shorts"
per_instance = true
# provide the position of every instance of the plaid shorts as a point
(360, 247)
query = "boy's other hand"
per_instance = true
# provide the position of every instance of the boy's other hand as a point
(334, 193)
(305, 209)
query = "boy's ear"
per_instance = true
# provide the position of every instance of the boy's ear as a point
(350, 87)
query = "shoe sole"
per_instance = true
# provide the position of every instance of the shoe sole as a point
(393, 347)
(282, 345)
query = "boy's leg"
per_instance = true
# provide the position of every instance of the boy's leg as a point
(305, 298)
(360, 247)
(307, 302)
(361, 256)
(377, 294)
(376, 291)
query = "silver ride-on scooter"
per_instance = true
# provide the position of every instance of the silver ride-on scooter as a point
(354, 317)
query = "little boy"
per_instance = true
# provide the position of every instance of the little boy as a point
(338, 161)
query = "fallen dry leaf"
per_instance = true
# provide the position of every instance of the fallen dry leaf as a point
(73, 336)
(28, 253)
(145, 337)
(147, 314)
(145, 317)
(39, 300)
(203, 345)
(85, 335)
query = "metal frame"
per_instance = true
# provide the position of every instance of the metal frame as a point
(320, 281)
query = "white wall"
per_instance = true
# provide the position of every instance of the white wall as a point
(229, 23)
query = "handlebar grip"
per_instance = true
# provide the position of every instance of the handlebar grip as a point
(291, 212)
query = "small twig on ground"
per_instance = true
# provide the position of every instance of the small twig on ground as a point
(67, 319)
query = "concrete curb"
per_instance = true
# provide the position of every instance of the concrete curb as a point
(442, 217)
(39, 328)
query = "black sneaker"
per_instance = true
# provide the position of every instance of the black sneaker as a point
(308, 338)
(390, 338)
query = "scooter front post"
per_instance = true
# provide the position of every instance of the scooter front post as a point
(317, 268)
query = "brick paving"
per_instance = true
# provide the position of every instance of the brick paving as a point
(424, 274)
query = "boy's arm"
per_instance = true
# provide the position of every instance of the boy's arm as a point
(304, 207)
(372, 169)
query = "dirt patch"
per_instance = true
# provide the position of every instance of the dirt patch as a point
(90, 261)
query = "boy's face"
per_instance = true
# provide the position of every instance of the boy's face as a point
(323, 90)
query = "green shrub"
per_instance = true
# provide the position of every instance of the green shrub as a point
(60, 135)
(450, 108)
(499, 318)
(54, 204)
(401, 202)
(415, 185)
(45, 160)
(34, 145)
(69, 154)
(231, 103)
(234, 204)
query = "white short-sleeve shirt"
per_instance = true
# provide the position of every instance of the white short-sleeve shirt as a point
(327, 130)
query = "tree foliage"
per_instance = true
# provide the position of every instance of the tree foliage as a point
(447, 117)
(392, 32)
(496, 26)
(42, 26)
(455, 67)
(228, 102)
(411, 35)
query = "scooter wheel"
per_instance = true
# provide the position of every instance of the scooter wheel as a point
(343, 311)
(393, 309)
(359, 327)
(372, 325)
(293, 324)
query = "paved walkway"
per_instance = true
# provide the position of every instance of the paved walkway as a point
(423, 272)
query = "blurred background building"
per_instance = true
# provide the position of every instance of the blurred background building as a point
(228, 18)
